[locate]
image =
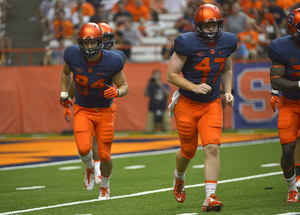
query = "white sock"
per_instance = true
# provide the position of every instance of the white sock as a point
(105, 181)
(97, 167)
(291, 183)
(87, 160)
(210, 188)
(179, 175)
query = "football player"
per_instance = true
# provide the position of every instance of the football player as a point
(275, 104)
(204, 58)
(94, 71)
(108, 44)
(284, 77)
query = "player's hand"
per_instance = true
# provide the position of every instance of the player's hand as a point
(229, 99)
(66, 103)
(111, 92)
(202, 88)
(67, 114)
(274, 100)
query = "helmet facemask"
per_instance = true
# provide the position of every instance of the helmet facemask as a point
(91, 52)
(209, 36)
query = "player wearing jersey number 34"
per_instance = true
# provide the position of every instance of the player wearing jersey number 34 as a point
(284, 76)
(203, 57)
(94, 70)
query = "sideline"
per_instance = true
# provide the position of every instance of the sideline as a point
(138, 154)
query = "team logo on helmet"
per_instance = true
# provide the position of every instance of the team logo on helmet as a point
(293, 23)
(290, 18)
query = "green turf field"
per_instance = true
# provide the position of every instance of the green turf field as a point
(148, 190)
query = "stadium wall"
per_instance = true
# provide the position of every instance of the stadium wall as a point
(30, 99)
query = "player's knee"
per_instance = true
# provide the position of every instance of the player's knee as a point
(104, 156)
(288, 153)
(287, 166)
(214, 138)
(84, 149)
(287, 137)
(188, 151)
(212, 150)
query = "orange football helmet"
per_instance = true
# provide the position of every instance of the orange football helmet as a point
(90, 32)
(208, 13)
(108, 35)
(293, 22)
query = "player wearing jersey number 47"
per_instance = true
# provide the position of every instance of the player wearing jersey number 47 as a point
(204, 58)
(284, 77)
(94, 71)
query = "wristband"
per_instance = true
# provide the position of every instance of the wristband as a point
(64, 95)
(276, 91)
(119, 92)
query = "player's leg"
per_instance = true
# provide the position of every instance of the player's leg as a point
(288, 125)
(96, 160)
(188, 136)
(83, 129)
(287, 165)
(104, 129)
(297, 160)
(210, 129)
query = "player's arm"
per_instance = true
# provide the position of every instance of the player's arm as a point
(173, 76)
(72, 90)
(121, 83)
(65, 101)
(278, 82)
(65, 78)
(65, 83)
(226, 81)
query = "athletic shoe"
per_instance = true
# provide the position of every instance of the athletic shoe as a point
(89, 180)
(97, 178)
(298, 181)
(104, 193)
(293, 196)
(212, 203)
(178, 190)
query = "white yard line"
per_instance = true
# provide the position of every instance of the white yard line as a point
(188, 214)
(270, 165)
(30, 188)
(200, 166)
(69, 168)
(290, 213)
(135, 167)
(142, 193)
